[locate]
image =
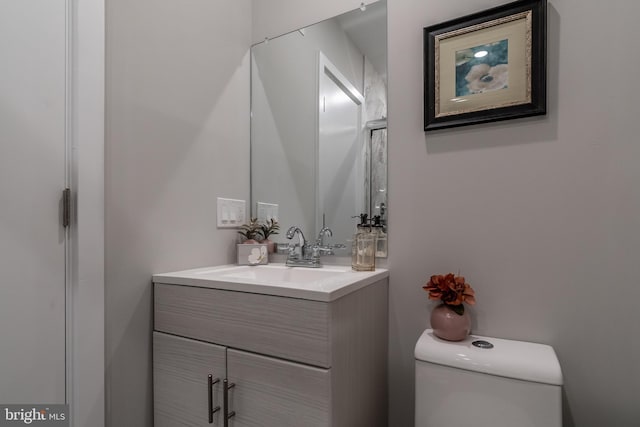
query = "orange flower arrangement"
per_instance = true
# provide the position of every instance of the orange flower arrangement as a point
(451, 290)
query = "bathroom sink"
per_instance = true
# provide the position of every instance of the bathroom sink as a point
(321, 284)
(279, 273)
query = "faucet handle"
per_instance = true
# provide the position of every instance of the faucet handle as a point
(292, 251)
(282, 248)
(316, 251)
(322, 250)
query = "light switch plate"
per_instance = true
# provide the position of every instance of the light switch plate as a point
(266, 211)
(231, 213)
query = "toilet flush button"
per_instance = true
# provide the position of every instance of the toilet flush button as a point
(482, 344)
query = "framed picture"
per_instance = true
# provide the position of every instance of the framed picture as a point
(486, 67)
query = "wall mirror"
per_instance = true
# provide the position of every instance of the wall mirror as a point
(318, 124)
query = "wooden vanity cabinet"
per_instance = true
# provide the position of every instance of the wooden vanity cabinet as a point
(292, 362)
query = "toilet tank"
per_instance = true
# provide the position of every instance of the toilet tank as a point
(511, 384)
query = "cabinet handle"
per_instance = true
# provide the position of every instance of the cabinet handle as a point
(210, 383)
(226, 386)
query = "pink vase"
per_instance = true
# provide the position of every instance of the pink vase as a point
(271, 245)
(449, 325)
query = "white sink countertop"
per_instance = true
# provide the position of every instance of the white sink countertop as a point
(327, 283)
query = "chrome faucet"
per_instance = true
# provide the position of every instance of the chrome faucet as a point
(292, 232)
(296, 252)
(303, 254)
(324, 231)
(325, 249)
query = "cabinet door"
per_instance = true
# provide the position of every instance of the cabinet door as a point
(181, 368)
(275, 393)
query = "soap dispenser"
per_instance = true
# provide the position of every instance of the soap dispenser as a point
(363, 249)
(381, 237)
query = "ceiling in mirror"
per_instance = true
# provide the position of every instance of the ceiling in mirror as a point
(318, 125)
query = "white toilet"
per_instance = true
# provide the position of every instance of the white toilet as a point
(486, 382)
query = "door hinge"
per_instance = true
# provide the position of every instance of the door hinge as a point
(66, 207)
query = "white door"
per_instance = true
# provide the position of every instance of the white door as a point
(32, 177)
(340, 194)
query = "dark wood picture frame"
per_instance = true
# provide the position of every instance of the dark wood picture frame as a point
(462, 87)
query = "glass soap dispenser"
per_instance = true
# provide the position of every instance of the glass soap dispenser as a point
(363, 249)
(381, 237)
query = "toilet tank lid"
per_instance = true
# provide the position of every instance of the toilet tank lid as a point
(512, 359)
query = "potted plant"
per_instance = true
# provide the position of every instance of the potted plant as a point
(449, 320)
(252, 231)
(269, 228)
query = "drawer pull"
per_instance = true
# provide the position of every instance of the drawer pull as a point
(226, 386)
(210, 383)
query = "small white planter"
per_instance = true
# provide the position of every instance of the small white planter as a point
(252, 254)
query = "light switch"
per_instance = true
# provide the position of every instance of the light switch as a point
(267, 211)
(231, 212)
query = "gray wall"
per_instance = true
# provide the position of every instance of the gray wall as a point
(177, 138)
(542, 215)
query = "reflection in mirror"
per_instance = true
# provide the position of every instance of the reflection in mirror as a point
(318, 124)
